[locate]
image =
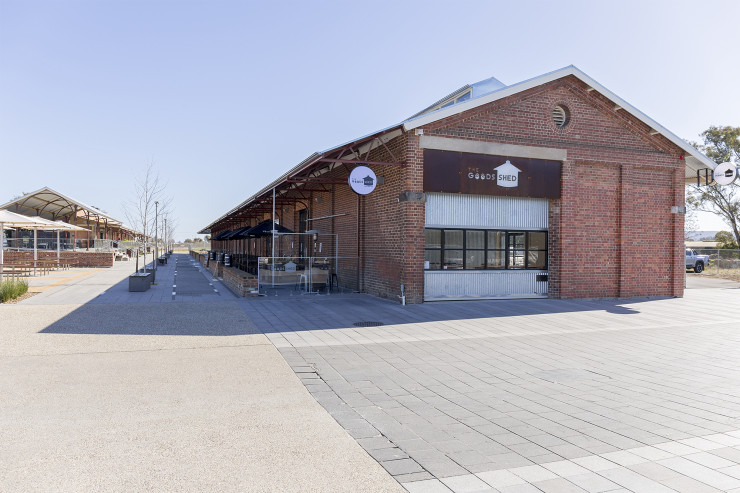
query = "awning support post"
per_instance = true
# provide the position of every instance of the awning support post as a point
(273, 237)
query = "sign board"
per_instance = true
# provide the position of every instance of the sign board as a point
(290, 267)
(483, 174)
(362, 180)
(725, 173)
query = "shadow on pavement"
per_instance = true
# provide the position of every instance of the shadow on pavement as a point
(358, 310)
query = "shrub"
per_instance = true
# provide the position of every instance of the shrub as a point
(10, 289)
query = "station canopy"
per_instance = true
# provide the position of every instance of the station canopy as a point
(54, 206)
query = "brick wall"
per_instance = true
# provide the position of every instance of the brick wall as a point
(239, 282)
(74, 259)
(611, 232)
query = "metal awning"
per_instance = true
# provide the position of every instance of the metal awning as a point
(52, 205)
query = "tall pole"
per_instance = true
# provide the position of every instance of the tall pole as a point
(166, 249)
(2, 248)
(156, 251)
(273, 237)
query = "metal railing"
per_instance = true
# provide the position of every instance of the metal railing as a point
(307, 274)
(96, 245)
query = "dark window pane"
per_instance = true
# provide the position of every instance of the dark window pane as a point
(475, 259)
(453, 238)
(434, 259)
(516, 259)
(538, 241)
(496, 239)
(496, 259)
(475, 239)
(536, 259)
(433, 238)
(453, 259)
(516, 240)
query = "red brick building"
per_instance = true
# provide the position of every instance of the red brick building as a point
(552, 187)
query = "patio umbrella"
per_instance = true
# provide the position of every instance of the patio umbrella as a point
(10, 219)
(265, 229)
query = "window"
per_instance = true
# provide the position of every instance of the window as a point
(480, 249)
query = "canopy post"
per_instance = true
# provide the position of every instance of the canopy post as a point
(59, 248)
(35, 248)
(273, 237)
(2, 248)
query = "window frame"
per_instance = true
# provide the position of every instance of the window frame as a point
(507, 251)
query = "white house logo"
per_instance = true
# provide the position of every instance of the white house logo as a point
(362, 180)
(506, 175)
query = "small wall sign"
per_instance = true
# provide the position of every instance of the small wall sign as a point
(725, 173)
(362, 180)
(507, 175)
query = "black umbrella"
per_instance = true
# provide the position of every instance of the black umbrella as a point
(221, 235)
(265, 229)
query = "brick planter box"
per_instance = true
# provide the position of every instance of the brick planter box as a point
(240, 282)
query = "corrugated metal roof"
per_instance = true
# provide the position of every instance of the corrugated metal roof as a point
(484, 92)
(46, 201)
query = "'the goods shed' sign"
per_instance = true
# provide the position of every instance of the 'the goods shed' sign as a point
(483, 174)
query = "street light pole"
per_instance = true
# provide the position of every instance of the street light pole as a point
(156, 249)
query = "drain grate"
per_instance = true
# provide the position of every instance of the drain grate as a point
(367, 324)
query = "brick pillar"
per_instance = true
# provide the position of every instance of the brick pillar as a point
(412, 212)
(627, 261)
(678, 260)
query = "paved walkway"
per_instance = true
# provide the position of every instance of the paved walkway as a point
(108, 390)
(531, 395)
(105, 389)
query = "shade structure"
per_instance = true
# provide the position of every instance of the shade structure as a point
(10, 220)
(265, 229)
(240, 233)
(222, 235)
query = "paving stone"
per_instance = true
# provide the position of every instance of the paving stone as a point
(401, 466)
(459, 379)
(593, 483)
(427, 486)
(558, 485)
(500, 479)
(467, 483)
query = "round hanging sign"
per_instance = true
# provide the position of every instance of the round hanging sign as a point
(362, 180)
(725, 173)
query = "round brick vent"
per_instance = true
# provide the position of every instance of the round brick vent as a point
(561, 116)
(367, 324)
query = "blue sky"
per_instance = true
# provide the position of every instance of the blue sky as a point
(223, 96)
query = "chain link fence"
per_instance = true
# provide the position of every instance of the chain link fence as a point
(721, 261)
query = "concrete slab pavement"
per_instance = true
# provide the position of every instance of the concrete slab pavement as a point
(108, 394)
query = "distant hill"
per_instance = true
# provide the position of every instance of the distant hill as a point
(701, 235)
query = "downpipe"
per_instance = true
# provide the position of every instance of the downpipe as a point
(402, 296)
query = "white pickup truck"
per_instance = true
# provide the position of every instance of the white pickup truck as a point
(696, 262)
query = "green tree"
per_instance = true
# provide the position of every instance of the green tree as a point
(725, 239)
(721, 144)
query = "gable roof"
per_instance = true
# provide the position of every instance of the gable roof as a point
(484, 92)
(49, 203)
(695, 159)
